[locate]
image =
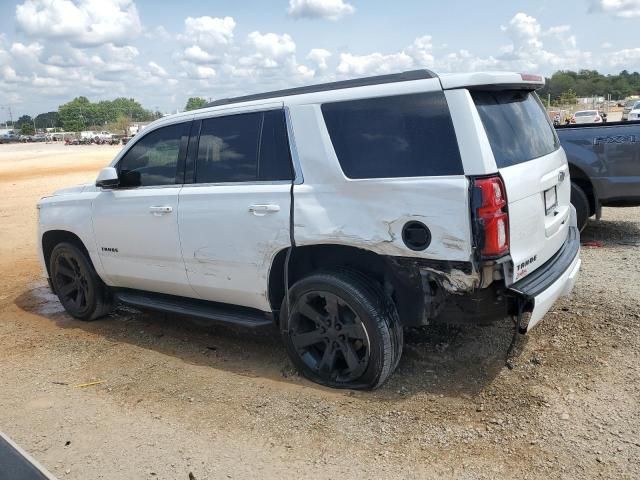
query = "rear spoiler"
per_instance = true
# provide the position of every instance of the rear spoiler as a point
(492, 81)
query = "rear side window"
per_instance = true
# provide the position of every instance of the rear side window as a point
(398, 136)
(517, 125)
(244, 148)
(153, 160)
(228, 149)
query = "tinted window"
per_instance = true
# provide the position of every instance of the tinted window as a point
(399, 136)
(153, 159)
(516, 124)
(228, 149)
(230, 146)
(275, 156)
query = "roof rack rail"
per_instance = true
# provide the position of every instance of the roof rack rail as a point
(325, 87)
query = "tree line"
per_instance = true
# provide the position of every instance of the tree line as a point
(591, 83)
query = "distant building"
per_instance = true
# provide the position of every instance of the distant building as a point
(136, 127)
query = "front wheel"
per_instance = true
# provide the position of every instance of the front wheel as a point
(342, 330)
(78, 286)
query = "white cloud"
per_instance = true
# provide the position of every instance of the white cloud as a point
(373, 64)
(319, 57)
(618, 8)
(196, 54)
(625, 58)
(157, 70)
(208, 32)
(272, 45)
(329, 9)
(84, 22)
(606, 45)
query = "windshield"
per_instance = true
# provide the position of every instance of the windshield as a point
(517, 125)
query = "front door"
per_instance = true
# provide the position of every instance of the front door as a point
(234, 217)
(136, 224)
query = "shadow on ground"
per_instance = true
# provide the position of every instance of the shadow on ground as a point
(441, 360)
(611, 233)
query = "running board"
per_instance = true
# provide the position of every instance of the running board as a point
(207, 313)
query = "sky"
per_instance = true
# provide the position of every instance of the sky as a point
(162, 52)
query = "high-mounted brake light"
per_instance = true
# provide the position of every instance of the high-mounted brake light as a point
(529, 77)
(493, 217)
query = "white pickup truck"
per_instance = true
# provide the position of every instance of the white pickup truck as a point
(95, 136)
(342, 212)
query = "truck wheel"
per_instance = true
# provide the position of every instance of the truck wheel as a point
(342, 331)
(78, 286)
(581, 203)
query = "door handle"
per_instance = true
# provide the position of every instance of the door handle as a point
(158, 210)
(260, 210)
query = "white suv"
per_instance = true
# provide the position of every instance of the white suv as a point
(343, 212)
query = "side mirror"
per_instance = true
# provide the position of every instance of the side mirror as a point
(108, 178)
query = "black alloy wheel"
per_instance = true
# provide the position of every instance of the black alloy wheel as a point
(329, 337)
(80, 291)
(343, 331)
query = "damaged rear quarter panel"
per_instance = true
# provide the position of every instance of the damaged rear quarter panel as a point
(371, 213)
(330, 208)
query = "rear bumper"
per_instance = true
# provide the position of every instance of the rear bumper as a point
(554, 279)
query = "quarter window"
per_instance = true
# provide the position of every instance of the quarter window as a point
(153, 160)
(399, 136)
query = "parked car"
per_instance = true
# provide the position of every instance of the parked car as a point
(604, 164)
(9, 138)
(343, 212)
(628, 106)
(586, 116)
(634, 112)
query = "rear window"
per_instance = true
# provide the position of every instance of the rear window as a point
(398, 136)
(517, 125)
(587, 113)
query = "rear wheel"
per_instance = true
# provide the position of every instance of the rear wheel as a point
(78, 286)
(580, 201)
(342, 330)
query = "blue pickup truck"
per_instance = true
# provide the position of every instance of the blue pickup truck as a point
(604, 164)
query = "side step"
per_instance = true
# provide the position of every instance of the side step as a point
(210, 312)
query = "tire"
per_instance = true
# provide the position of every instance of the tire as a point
(580, 201)
(343, 330)
(79, 288)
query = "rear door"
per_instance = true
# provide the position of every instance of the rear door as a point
(234, 217)
(535, 173)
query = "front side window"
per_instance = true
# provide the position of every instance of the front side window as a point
(398, 136)
(153, 160)
(245, 147)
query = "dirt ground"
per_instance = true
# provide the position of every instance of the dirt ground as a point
(179, 401)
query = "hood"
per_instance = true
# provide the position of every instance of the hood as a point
(70, 190)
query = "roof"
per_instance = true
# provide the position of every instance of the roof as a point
(325, 87)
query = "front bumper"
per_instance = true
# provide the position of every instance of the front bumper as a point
(555, 279)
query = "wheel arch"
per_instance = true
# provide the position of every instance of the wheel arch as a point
(51, 238)
(409, 299)
(581, 179)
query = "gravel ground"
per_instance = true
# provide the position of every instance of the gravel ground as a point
(178, 401)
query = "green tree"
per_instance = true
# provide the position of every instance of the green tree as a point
(24, 119)
(27, 129)
(568, 98)
(194, 103)
(48, 120)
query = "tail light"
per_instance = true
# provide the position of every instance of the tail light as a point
(598, 119)
(492, 216)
